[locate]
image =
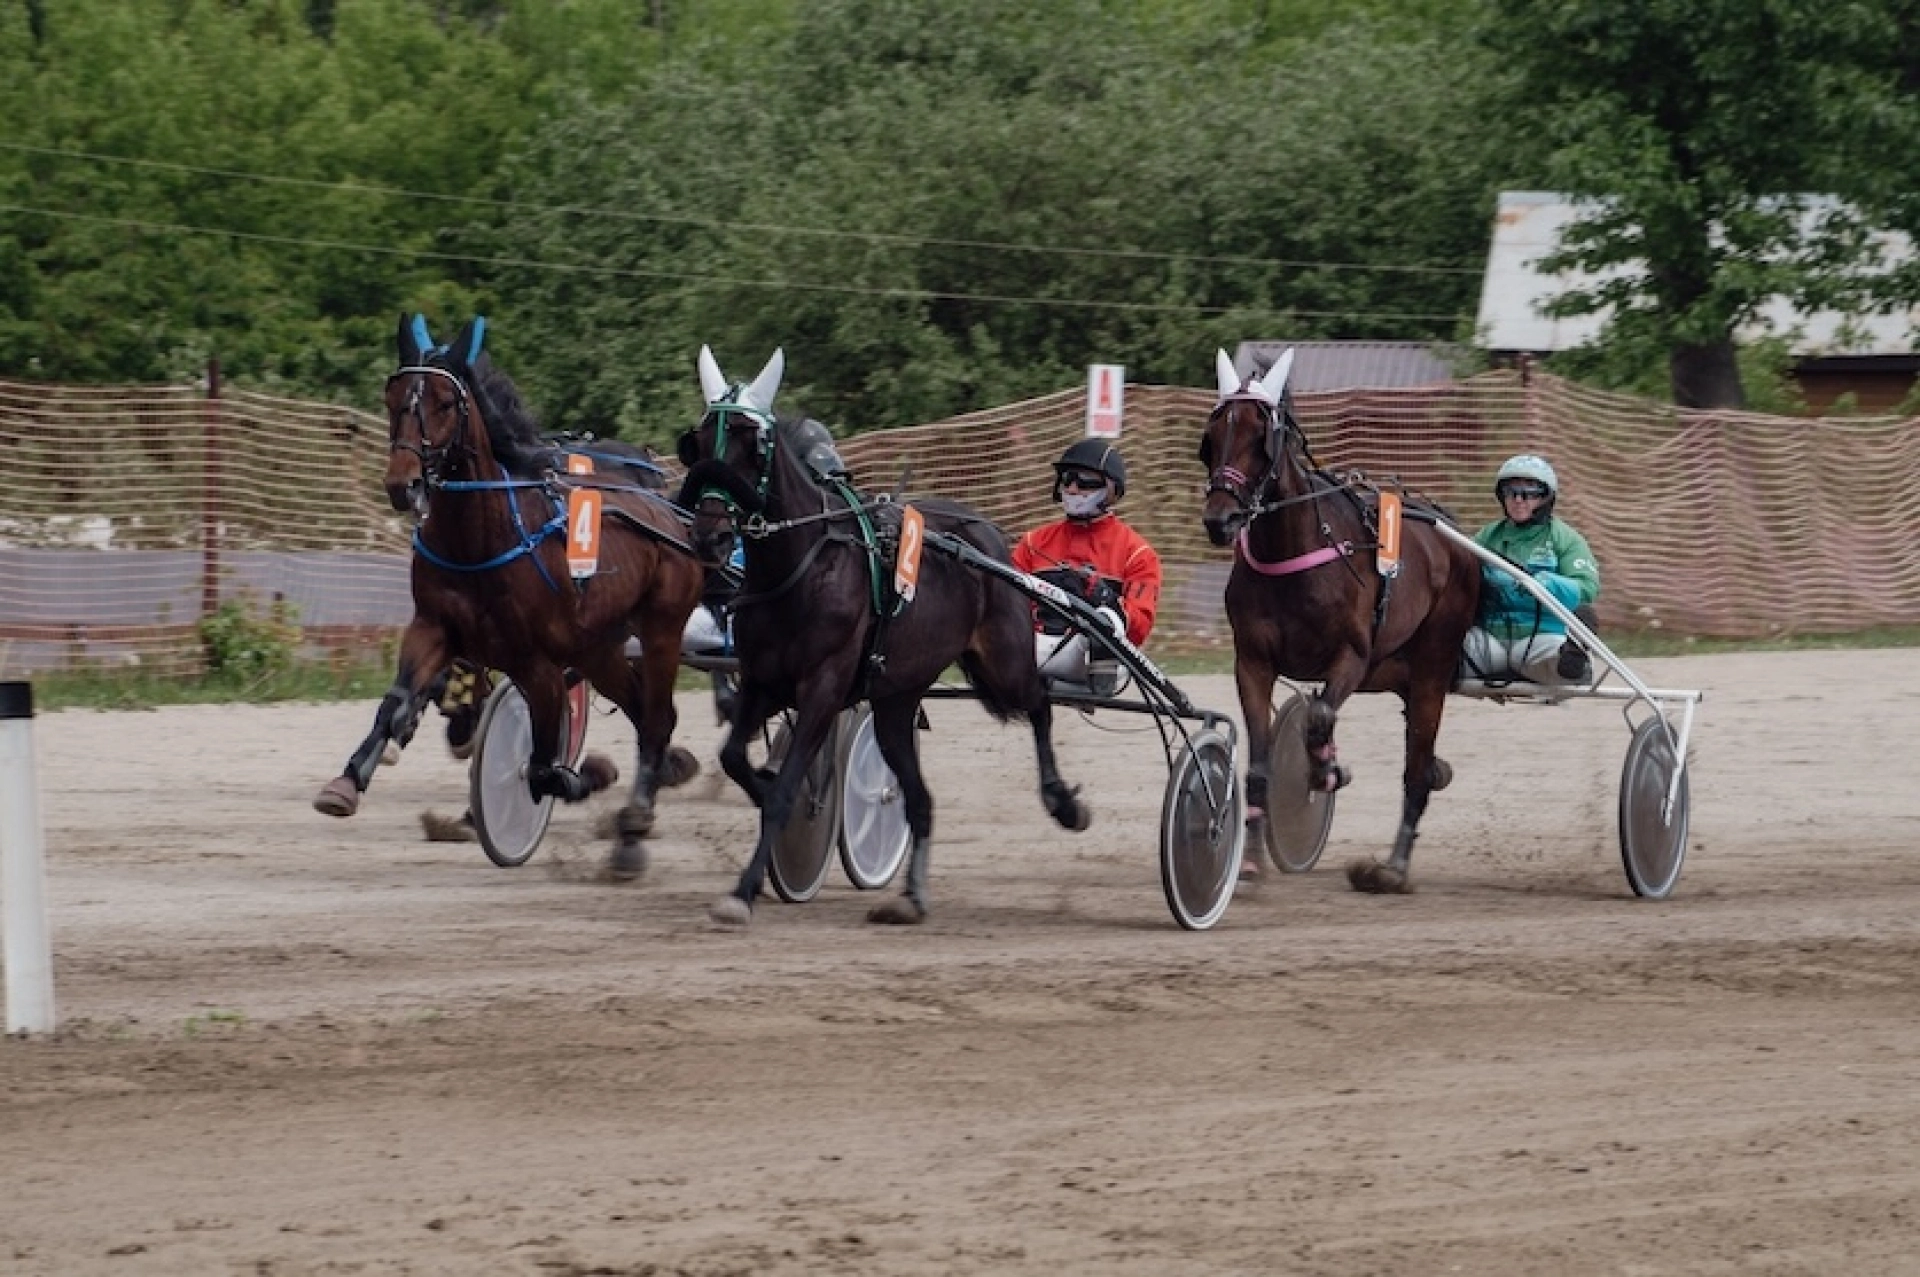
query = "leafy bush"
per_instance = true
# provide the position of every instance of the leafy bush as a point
(243, 644)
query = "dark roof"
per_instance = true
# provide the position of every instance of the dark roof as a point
(1350, 365)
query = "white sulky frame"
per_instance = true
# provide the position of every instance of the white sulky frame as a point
(1658, 700)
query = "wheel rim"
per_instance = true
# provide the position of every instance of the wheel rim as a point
(1652, 847)
(509, 821)
(874, 836)
(1202, 832)
(1297, 817)
(803, 850)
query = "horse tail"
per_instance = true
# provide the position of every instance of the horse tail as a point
(980, 678)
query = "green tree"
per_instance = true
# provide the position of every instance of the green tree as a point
(1728, 152)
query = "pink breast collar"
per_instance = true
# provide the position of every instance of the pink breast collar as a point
(1286, 567)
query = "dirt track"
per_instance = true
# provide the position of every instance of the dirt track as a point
(301, 1045)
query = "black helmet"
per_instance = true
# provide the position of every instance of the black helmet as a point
(1097, 455)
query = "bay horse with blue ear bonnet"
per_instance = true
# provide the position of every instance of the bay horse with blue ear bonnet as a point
(492, 582)
(1306, 601)
(819, 623)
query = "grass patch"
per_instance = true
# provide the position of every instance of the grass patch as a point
(113, 690)
(313, 682)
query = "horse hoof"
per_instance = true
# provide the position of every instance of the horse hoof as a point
(1336, 777)
(598, 771)
(338, 797)
(1440, 775)
(1377, 879)
(1064, 805)
(678, 767)
(730, 911)
(439, 828)
(898, 912)
(629, 860)
(390, 756)
(633, 822)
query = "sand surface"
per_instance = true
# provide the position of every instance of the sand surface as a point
(292, 1044)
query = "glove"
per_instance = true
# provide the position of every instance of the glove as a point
(1115, 623)
(1565, 590)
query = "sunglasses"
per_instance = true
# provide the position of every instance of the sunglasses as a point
(1524, 493)
(1082, 480)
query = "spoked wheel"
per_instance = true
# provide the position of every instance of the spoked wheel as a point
(1298, 817)
(1202, 831)
(873, 814)
(1652, 846)
(508, 819)
(803, 852)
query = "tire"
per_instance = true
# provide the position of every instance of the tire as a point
(1652, 848)
(874, 837)
(508, 820)
(1202, 832)
(1298, 818)
(803, 851)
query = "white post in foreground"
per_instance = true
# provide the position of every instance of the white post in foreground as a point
(23, 874)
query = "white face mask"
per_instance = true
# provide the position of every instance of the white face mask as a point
(1083, 505)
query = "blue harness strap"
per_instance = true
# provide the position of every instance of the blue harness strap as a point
(529, 541)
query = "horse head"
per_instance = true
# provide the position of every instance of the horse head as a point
(729, 456)
(430, 411)
(1248, 446)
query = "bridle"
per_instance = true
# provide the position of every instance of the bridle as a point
(1254, 496)
(435, 459)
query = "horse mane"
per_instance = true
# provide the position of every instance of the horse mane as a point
(511, 426)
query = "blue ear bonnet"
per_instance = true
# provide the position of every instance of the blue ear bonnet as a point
(429, 348)
(422, 339)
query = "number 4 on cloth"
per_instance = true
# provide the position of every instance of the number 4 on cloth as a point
(906, 564)
(583, 523)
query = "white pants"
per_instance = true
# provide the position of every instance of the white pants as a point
(703, 633)
(1062, 657)
(1532, 657)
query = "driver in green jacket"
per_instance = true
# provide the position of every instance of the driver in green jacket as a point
(1516, 635)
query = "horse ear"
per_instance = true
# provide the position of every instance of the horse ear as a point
(412, 348)
(466, 343)
(1273, 386)
(1224, 373)
(760, 394)
(713, 382)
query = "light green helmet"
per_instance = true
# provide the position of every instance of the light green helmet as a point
(1527, 466)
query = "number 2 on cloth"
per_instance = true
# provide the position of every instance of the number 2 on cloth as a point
(906, 564)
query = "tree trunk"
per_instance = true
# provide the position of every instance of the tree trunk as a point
(1706, 376)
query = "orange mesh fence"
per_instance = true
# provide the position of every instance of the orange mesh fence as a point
(128, 515)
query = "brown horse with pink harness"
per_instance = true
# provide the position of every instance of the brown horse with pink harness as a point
(1311, 598)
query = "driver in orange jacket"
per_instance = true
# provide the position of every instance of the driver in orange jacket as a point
(1093, 554)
